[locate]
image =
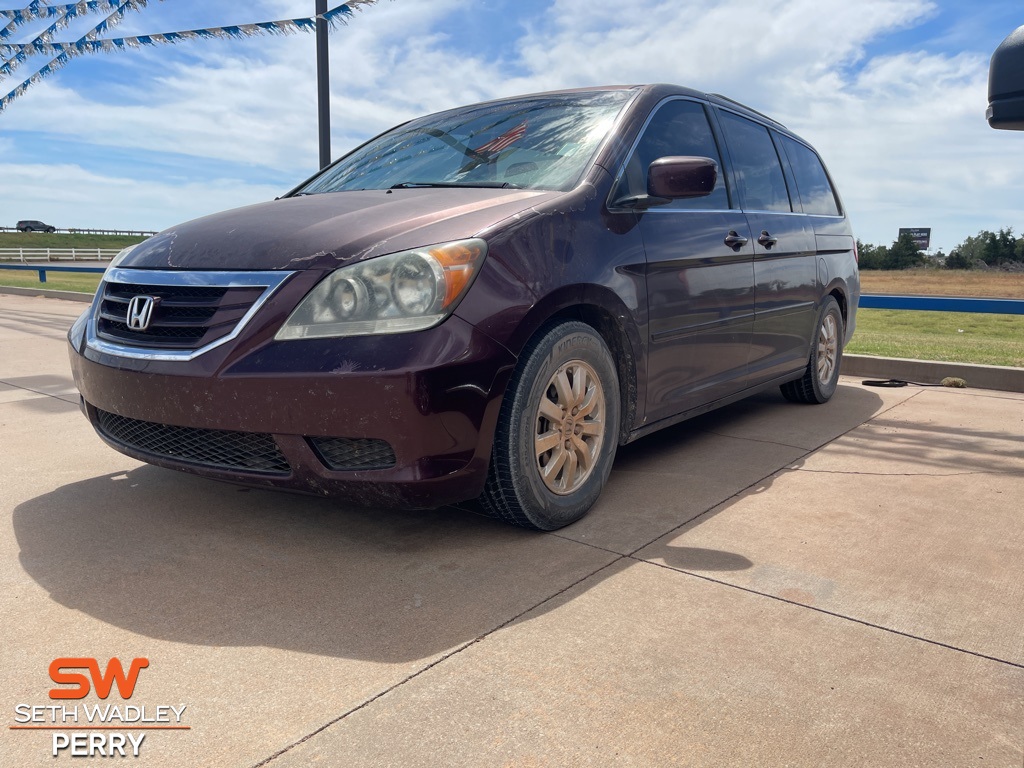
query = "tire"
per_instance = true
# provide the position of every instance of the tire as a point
(819, 381)
(51, 230)
(534, 480)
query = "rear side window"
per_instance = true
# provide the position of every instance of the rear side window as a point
(678, 128)
(756, 164)
(816, 194)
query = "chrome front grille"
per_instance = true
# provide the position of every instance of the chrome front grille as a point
(184, 317)
(191, 311)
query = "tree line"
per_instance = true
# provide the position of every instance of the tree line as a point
(986, 249)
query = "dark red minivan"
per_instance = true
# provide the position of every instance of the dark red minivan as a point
(484, 302)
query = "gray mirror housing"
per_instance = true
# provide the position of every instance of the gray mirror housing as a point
(1006, 84)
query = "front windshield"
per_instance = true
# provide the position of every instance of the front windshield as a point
(543, 142)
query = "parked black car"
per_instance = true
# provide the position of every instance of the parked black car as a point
(31, 225)
(484, 302)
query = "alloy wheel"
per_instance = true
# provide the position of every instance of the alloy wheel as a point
(569, 427)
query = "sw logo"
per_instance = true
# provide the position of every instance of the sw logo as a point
(103, 729)
(103, 744)
(102, 682)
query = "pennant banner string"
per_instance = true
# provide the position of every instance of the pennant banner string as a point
(37, 11)
(12, 63)
(71, 12)
(63, 52)
(15, 19)
(282, 27)
(62, 59)
(63, 13)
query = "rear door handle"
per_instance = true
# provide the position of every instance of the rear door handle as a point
(735, 240)
(767, 240)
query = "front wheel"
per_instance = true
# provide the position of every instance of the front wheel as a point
(557, 432)
(821, 378)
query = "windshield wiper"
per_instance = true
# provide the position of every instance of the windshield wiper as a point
(473, 184)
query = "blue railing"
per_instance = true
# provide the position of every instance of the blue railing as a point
(867, 301)
(42, 270)
(943, 304)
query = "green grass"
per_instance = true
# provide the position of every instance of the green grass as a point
(60, 281)
(63, 240)
(55, 281)
(955, 337)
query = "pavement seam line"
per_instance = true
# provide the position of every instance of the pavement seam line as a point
(833, 614)
(788, 468)
(766, 442)
(436, 662)
(619, 557)
(901, 474)
(33, 391)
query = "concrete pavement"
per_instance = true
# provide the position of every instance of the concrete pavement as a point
(769, 584)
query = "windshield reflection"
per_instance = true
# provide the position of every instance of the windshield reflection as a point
(534, 143)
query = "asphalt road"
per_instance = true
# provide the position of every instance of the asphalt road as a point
(768, 585)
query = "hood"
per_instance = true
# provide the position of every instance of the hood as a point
(328, 230)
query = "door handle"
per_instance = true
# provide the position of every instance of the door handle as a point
(767, 240)
(735, 240)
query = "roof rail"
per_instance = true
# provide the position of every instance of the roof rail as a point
(748, 109)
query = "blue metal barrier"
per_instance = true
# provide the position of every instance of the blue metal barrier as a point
(867, 301)
(42, 270)
(943, 304)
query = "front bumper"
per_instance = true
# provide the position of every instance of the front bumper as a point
(432, 397)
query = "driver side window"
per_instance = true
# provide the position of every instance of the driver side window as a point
(678, 128)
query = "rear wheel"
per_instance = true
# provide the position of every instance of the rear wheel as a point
(557, 432)
(819, 381)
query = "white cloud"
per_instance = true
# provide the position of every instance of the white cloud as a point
(65, 195)
(903, 133)
(732, 44)
(252, 102)
(907, 141)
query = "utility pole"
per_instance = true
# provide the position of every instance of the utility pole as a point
(323, 84)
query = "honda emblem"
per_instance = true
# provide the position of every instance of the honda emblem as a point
(140, 312)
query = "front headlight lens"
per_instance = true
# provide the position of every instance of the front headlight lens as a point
(349, 297)
(415, 285)
(406, 291)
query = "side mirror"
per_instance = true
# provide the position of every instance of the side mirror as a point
(674, 178)
(1006, 84)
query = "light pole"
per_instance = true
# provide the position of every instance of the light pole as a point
(323, 85)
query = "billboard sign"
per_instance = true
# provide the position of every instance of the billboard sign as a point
(922, 236)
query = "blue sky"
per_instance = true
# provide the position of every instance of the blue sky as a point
(892, 93)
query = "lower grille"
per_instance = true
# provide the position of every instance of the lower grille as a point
(352, 453)
(250, 451)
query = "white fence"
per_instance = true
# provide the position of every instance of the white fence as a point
(35, 255)
(75, 230)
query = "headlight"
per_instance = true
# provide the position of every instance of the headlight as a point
(405, 291)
